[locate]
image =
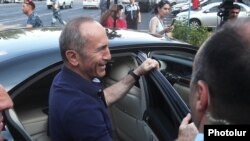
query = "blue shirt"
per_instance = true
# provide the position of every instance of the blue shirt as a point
(34, 20)
(77, 111)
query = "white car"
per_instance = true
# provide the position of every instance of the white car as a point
(91, 3)
(63, 3)
(12, 1)
(174, 2)
(184, 6)
(207, 15)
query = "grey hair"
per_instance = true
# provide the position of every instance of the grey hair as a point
(71, 37)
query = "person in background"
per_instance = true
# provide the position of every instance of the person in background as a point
(133, 15)
(56, 13)
(234, 12)
(156, 24)
(220, 80)
(34, 20)
(104, 5)
(78, 104)
(107, 19)
(5, 103)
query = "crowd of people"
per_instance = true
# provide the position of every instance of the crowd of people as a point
(126, 17)
(119, 16)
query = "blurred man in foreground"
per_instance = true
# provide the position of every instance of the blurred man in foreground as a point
(220, 92)
(5, 103)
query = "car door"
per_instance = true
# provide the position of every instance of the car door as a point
(165, 107)
(152, 110)
(210, 17)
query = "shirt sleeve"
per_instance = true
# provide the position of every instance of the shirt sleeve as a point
(32, 20)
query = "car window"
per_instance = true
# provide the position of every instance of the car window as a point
(242, 9)
(159, 114)
(214, 9)
(176, 66)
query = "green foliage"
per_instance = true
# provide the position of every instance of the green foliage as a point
(193, 35)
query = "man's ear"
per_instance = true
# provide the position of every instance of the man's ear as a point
(203, 95)
(72, 56)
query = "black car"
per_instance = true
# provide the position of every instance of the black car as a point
(152, 110)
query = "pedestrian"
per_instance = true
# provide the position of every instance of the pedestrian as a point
(104, 5)
(107, 19)
(156, 23)
(133, 15)
(5, 103)
(233, 12)
(28, 9)
(78, 105)
(220, 79)
(56, 13)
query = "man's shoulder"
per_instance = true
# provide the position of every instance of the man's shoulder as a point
(33, 16)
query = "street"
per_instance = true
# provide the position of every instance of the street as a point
(11, 14)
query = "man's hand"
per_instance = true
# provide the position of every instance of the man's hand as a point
(5, 100)
(146, 66)
(187, 131)
(5, 103)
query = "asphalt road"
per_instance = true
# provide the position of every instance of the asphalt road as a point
(11, 15)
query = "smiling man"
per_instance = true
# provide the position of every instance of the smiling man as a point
(78, 103)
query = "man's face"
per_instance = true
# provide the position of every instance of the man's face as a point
(25, 8)
(194, 92)
(96, 54)
(233, 13)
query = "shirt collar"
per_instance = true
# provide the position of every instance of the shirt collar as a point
(88, 87)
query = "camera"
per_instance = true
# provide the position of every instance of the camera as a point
(224, 8)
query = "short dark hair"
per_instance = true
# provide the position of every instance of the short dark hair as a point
(235, 6)
(31, 3)
(224, 64)
(160, 4)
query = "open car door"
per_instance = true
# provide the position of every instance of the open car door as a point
(154, 107)
(165, 108)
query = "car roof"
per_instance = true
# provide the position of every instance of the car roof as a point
(39, 48)
(218, 3)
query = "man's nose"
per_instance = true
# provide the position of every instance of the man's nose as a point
(107, 55)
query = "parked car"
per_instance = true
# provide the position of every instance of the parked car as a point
(174, 2)
(63, 3)
(152, 109)
(90, 3)
(207, 15)
(13, 1)
(181, 7)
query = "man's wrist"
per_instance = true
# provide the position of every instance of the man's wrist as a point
(135, 76)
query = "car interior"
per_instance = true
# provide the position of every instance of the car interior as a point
(128, 115)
